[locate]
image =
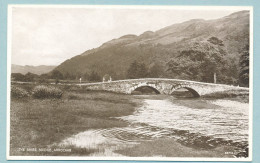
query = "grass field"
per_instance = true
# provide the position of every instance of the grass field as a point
(41, 122)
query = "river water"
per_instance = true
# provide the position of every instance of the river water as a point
(206, 126)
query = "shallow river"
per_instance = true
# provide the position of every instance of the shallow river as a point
(218, 122)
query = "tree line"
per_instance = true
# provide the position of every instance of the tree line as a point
(140, 70)
(55, 75)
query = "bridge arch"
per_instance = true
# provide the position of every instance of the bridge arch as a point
(152, 87)
(188, 87)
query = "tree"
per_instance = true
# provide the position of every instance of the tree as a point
(45, 76)
(78, 75)
(18, 77)
(132, 70)
(244, 67)
(137, 70)
(94, 77)
(56, 74)
(155, 71)
(66, 76)
(199, 63)
(29, 77)
(142, 71)
(86, 76)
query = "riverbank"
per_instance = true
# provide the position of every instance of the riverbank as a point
(234, 95)
(171, 148)
(42, 122)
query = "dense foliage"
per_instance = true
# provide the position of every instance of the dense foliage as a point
(17, 92)
(29, 77)
(139, 70)
(244, 68)
(55, 74)
(42, 91)
(200, 62)
(94, 76)
(56, 77)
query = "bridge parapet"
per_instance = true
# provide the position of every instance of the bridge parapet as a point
(163, 86)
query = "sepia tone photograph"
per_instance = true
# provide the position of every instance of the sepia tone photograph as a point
(129, 82)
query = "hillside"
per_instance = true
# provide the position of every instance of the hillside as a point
(226, 36)
(32, 69)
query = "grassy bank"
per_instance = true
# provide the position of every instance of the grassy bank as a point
(171, 148)
(42, 122)
(235, 95)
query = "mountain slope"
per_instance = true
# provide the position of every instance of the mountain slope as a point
(33, 69)
(114, 57)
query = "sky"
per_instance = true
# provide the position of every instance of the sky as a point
(50, 35)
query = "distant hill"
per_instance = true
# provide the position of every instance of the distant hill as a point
(227, 35)
(33, 69)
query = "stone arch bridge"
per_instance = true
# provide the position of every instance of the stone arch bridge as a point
(159, 85)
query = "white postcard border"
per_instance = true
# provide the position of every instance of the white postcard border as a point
(9, 52)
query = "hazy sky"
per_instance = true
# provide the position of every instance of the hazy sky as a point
(49, 36)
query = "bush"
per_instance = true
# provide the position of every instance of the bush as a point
(17, 92)
(46, 92)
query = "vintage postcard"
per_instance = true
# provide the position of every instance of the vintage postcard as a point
(130, 82)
